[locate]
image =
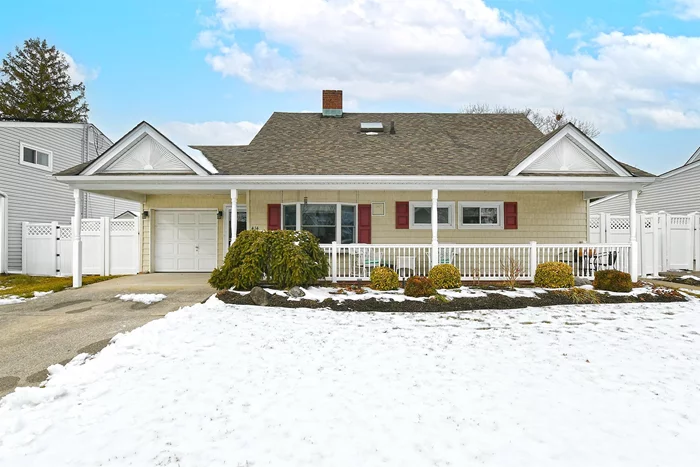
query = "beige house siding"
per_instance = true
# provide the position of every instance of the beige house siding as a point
(545, 217)
(191, 201)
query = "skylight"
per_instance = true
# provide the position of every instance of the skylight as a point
(371, 126)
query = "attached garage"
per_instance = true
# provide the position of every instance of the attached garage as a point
(185, 241)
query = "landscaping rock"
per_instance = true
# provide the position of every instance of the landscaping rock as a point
(260, 296)
(296, 292)
(579, 281)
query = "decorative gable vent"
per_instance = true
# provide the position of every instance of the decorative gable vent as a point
(371, 127)
(565, 156)
(147, 155)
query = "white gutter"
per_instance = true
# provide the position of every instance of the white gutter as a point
(349, 182)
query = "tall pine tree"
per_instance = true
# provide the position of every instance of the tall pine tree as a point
(35, 86)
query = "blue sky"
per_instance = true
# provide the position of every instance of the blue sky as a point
(213, 71)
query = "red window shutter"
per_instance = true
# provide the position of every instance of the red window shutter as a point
(274, 216)
(364, 223)
(402, 214)
(510, 215)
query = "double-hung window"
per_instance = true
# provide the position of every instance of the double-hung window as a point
(480, 215)
(420, 214)
(329, 222)
(35, 157)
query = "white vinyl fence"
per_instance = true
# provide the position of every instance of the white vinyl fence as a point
(110, 247)
(666, 242)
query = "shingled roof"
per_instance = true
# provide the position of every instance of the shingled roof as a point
(424, 144)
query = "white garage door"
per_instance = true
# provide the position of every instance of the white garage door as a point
(185, 241)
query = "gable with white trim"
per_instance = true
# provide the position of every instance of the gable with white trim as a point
(565, 156)
(569, 151)
(144, 150)
(147, 155)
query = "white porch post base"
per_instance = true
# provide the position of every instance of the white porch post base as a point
(434, 226)
(77, 241)
(634, 246)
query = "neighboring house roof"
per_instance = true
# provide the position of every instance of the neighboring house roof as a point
(424, 144)
(75, 170)
(635, 171)
(695, 157)
(126, 215)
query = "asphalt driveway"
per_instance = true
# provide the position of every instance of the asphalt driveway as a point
(53, 329)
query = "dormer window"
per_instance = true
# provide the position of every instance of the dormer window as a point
(35, 157)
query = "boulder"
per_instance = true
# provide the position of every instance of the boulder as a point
(260, 296)
(296, 292)
(579, 281)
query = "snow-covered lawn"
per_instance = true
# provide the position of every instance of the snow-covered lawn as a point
(145, 298)
(12, 299)
(215, 384)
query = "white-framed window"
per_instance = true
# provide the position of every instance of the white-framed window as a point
(420, 213)
(35, 157)
(329, 222)
(241, 222)
(480, 215)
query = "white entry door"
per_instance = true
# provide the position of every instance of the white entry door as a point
(185, 241)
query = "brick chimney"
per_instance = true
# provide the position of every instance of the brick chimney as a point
(332, 103)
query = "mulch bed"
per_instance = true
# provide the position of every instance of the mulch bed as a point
(490, 302)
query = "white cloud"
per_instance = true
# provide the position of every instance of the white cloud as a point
(80, 73)
(210, 133)
(668, 118)
(688, 9)
(453, 52)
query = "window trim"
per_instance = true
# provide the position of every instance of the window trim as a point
(482, 204)
(428, 204)
(338, 218)
(22, 147)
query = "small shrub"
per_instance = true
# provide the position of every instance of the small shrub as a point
(419, 286)
(583, 296)
(383, 278)
(512, 269)
(284, 258)
(445, 276)
(554, 275)
(613, 280)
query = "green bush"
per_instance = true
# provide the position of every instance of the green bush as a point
(613, 281)
(445, 276)
(383, 278)
(285, 258)
(554, 275)
(419, 286)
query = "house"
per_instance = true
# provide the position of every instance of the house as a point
(675, 192)
(29, 153)
(404, 189)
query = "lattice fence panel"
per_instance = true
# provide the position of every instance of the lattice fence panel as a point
(39, 230)
(122, 226)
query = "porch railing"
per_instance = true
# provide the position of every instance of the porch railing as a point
(485, 262)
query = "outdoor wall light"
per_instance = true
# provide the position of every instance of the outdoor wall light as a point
(219, 214)
(306, 200)
(145, 214)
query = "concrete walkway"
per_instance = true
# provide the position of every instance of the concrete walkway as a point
(53, 329)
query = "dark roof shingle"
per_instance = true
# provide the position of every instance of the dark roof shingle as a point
(424, 144)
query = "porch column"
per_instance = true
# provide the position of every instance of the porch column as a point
(634, 246)
(434, 226)
(234, 214)
(77, 242)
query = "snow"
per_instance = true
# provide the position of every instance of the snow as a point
(216, 384)
(689, 276)
(323, 293)
(146, 298)
(12, 299)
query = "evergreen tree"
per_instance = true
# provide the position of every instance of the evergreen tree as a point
(35, 86)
